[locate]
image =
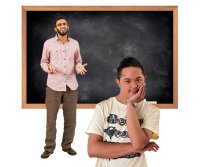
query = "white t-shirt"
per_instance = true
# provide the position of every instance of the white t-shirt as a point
(109, 121)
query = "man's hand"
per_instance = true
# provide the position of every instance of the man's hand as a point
(52, 69)
(81, 69)
(139, 96)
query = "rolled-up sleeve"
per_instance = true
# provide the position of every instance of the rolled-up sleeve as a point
(77, 58)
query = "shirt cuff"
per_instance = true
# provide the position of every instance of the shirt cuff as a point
(45, 68)
(77, 67)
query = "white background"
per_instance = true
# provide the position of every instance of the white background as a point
(22, 131)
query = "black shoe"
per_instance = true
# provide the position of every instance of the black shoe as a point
(70, 151)
(46, 154)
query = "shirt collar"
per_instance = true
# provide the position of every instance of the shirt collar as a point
(57, 39)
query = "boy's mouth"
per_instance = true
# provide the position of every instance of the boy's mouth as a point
(134, 91)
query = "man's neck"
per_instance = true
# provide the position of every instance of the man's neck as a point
(63, 38)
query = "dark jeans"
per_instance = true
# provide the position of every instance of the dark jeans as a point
(53, 101)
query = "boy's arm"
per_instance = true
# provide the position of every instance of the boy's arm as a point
(100, 149)
(139, 137)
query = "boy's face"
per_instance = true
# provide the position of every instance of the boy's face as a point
(130, 81)
(61, 27)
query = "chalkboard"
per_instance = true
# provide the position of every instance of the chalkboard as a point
(105, 38)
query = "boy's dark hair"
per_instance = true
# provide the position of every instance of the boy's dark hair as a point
(128, 62)
(58, 18)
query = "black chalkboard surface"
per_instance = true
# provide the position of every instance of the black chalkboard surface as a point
(105, 38)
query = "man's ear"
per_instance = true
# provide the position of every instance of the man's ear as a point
(117, 82)
(55, 29)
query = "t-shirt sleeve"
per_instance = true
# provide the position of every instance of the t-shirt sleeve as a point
(151, 122)
(96, 125)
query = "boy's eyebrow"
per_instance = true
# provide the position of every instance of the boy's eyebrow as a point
(126, 78)
(123, 77)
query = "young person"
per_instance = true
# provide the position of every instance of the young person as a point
(122, 126)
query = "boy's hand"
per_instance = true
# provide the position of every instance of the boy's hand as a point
(151, 146)
(139, 96)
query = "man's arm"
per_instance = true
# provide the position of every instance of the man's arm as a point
(80, 68)
(44, 63)
(77, 58)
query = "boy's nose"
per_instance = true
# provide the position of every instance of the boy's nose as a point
(134, 84)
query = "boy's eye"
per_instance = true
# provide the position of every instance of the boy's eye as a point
(139, 80)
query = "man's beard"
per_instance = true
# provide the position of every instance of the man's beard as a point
(61, 33)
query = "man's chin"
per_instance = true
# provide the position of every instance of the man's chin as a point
(62, 33)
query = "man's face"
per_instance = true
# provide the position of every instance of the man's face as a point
(130, 81)
(61, 27)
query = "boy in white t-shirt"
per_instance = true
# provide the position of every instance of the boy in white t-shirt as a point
(122, 126)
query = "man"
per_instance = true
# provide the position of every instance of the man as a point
(61, 58)
(122, 126)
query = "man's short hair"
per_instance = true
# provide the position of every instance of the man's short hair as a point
(128, 62)
(58, 18)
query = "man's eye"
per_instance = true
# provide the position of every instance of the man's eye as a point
(127, 81)
(60, 24)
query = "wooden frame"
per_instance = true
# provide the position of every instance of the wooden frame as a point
(99, 8)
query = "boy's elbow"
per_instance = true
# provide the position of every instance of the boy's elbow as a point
(138, 145)
(91, 153)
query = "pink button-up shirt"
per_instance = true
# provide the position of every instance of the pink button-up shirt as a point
(66, 58)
